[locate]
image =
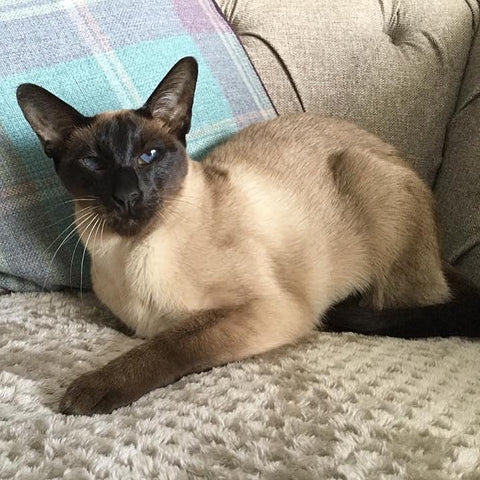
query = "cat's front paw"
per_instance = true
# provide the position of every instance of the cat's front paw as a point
(91, 393)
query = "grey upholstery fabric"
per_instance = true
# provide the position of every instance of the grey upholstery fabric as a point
(458, 184)
(395, 67)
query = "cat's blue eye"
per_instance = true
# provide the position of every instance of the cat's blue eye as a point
(148, 157)
(93, 163)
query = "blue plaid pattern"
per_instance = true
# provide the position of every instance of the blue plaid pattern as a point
(101, 55)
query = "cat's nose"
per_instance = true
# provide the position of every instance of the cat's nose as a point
(126, 200)
(125, 192)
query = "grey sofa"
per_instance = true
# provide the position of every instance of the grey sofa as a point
(406, 70)
(335, 407)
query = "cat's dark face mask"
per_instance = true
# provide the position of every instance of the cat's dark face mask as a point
(127, 164)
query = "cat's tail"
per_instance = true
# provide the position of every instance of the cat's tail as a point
(458, 317)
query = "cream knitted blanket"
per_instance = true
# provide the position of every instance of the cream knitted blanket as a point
(334, 407)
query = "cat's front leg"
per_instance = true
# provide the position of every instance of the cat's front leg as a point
(207, 339)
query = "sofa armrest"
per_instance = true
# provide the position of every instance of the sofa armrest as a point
(458, 183)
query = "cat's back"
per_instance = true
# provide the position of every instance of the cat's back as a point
(302, 144)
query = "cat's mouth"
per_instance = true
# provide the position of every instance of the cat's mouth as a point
(125, 227)
(127, 224)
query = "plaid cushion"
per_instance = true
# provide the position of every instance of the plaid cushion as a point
(101, 55)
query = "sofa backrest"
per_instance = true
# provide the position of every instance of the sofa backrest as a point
(394, 67)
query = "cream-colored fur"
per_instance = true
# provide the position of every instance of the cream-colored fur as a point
(247, 250)
(310, 211)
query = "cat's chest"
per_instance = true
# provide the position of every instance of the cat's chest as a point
(139, 285)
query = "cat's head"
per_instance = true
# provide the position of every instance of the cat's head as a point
(128, 163)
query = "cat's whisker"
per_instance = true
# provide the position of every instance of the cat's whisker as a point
(184, 195)
(181, 200)
(72, 200)
(176, 212)
(83, 256)
(53, 224)
(89, 208)
(166, 207)
(162, 216)
(67, 204)
(60, 246)
(174, 209)
(84, 252)
(86, 199)
(71, 225)
(101, 233)
(72, 260)
(73, 255)
(96, 232)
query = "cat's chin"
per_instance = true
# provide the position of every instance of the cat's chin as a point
(126, 227)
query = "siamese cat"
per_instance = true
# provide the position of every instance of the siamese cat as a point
(294, 224)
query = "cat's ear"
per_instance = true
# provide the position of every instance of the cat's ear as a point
(172, 100)
(51, 118)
